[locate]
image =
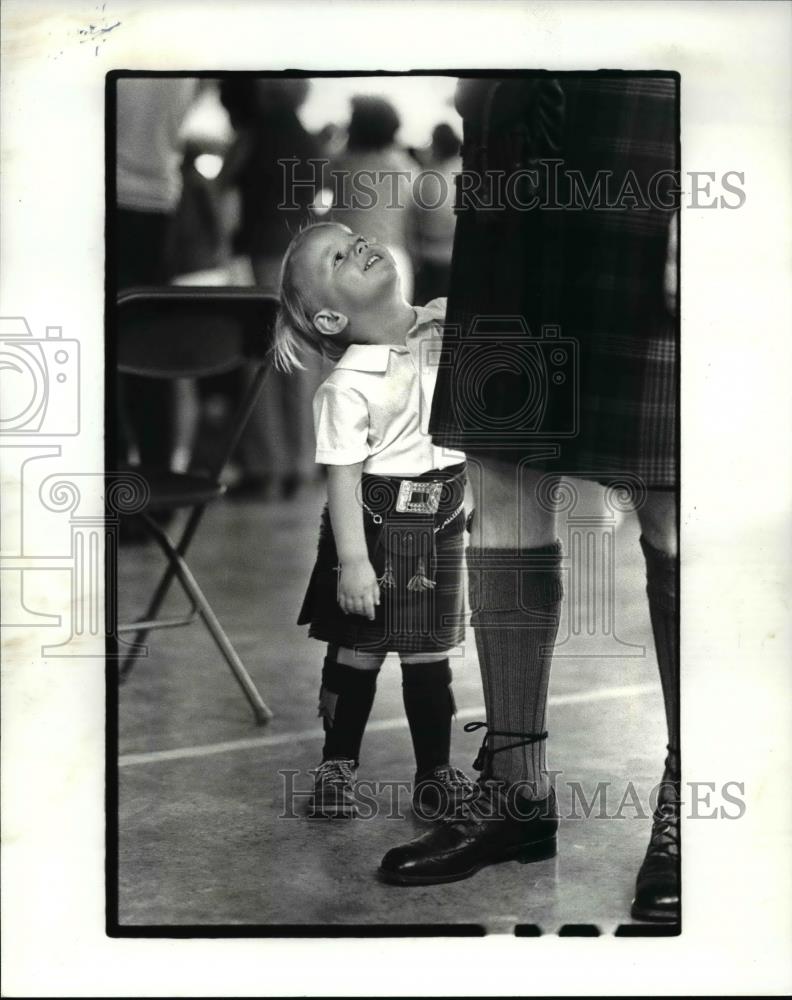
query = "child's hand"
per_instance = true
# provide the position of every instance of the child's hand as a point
(358, 590)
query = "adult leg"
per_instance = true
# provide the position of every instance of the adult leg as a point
(658, 522)
(515, 585)
(141, 238)
(657, 891)
(515, 597)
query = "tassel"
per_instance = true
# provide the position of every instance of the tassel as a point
(421, 581)
(387, 580)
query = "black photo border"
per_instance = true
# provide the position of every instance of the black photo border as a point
(113, 927)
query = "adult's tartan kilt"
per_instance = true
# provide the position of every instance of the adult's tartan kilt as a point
(593, 275)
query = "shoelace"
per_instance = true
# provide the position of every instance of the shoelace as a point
(336, 772)
(486, 751)
(472, 806)
(454, 779)
(665, 831)
(664, 841)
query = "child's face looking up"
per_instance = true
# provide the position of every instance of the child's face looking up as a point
(344, 272)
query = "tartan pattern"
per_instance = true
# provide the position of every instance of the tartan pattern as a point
(596, 273)
(401, 546)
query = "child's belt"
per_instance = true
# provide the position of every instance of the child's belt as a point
(439, 494)
(416, 509)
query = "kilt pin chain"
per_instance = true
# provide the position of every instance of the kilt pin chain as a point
(415, 497)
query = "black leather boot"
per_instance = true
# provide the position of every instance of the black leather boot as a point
(657, 887)
(493, 824)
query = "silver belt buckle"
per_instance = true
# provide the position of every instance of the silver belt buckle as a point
(419, 498)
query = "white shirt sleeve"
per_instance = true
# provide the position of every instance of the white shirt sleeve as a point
(341, 423)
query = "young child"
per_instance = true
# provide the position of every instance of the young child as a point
(388, 574)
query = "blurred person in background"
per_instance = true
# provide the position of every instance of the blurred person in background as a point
(196, 241)
(199, 253)
(372, 182)
(432, 219)
(150, 114)
(276, 452)
(332, 139)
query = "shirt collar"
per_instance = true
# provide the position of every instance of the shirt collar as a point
(375, 357)
(366, 357)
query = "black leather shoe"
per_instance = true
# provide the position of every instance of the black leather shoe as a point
(657, 885)
(489, 827)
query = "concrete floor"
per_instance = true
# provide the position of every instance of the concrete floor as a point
(202, 835)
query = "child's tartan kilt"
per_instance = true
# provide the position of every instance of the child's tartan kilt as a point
(597, 274)
(403, 548)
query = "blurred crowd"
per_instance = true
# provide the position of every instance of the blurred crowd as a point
(198, 206)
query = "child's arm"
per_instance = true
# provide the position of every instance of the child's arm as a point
(358, 591)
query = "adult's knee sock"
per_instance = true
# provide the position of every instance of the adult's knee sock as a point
(663, 593)
(429, 704)
(345, 701)
(515, 597)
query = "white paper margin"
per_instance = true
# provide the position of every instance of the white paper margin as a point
(734, 62)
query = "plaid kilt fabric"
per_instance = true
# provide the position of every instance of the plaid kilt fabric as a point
(404, 549)
(559, 346)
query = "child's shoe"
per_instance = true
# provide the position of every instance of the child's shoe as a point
(437, 793)
(333, 797)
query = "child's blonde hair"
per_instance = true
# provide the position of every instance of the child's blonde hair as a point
(294, 326)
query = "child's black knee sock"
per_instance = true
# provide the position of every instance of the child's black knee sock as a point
(661, 587)
(345, 701)
(429, 705)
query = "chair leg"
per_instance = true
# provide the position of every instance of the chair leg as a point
(163, 587)
(261, 711)
(151, 613)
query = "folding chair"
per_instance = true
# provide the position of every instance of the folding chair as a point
(192, 332)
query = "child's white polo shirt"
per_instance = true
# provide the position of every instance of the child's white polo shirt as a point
(374, 406)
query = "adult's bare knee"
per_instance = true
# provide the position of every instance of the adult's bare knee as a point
(508, 512)
(658, 520)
